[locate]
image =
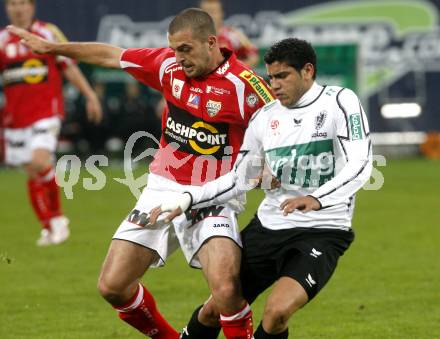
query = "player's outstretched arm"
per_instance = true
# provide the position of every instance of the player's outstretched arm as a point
(89, 52)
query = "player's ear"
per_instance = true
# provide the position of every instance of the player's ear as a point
(308, 71)
(212, 41)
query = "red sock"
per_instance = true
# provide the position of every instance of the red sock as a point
(238, 325)
(38, 198)
(47, 177)
(141, 313)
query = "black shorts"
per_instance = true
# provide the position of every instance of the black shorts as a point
(307, 255)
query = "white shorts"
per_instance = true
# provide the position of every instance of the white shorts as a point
(21, 142)
(191, 230)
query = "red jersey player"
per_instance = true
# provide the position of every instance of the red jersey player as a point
(210, 100)
(231, 37)
(32, 84)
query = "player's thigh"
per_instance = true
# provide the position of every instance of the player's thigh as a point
(41, 159)
(220, 259)
(286, 297)
(125, 263)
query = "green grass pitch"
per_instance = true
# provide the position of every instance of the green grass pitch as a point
(387, 285)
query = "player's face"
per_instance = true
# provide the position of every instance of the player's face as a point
(193, 54)
(288, 84)
(20, 12)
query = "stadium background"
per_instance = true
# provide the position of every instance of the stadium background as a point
(387, 284)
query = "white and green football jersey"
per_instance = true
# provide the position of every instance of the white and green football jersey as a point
(319, 147)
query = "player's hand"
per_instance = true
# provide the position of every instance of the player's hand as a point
(34, 42)
(175, 206)
(303, 204)
(94, 109)
(266, 180)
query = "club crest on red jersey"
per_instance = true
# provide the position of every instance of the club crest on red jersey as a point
(213, 107)
(251, 100)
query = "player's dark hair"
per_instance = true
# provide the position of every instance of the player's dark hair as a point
(292, 51)
(195, 19)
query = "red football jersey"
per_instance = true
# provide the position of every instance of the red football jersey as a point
(32, 83)
(237, 42)
(204, 121)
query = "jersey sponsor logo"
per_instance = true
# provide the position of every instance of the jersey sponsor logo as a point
(356, 126)
(319, 135)
(193, 100)
(319, 122)
(173, 68)
(220, 225)
(177, 88)
(305, 165)
(213, 107)
(16, 144)
(195, 89)
(223, 69)
(198, 215)
(259, 87)
(310, 281)
(251, 100)
(216, 90)
(193, 135)
(297, 122)
(31, 71)
(315, 253)
(274, 124)
(138, 218)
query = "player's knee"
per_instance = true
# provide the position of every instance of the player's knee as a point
(109, 291)
(276, 318)
(225, 289)
(37, 165)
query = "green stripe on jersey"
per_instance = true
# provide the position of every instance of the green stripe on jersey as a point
(306, 165)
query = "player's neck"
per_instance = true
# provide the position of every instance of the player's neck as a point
(26, 24)
(217, 59)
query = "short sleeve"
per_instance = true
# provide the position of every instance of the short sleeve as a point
(146, 64)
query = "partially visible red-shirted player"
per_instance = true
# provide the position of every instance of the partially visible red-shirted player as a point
(230, 37)
(32, 85)
(210, 99)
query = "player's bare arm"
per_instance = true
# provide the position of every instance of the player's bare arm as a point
(89, 52)
(93, 105)
(303, 204)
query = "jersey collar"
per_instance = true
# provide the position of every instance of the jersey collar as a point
(310, 96)
(225, 66)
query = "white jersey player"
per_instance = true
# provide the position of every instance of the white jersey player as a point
(315, 140)
(320, 148)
